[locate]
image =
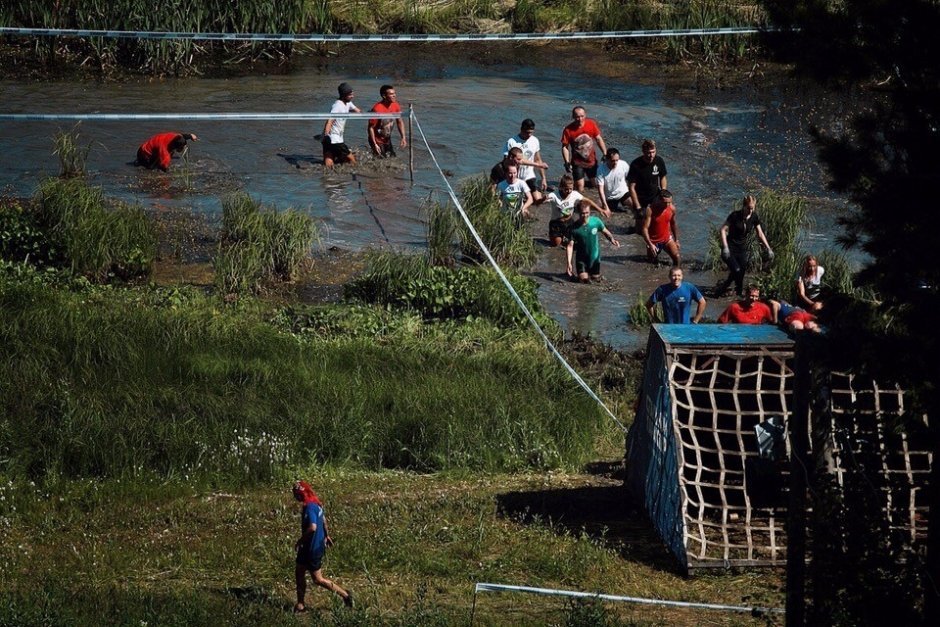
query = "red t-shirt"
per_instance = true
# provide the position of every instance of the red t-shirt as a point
(156, 150)
(383, 128)
(660, 229)
(758, 313)
(582, 142)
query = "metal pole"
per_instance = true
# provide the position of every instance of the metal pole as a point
(411, 144)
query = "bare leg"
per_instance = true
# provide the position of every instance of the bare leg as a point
(673, 250)
(323, 582)
(300, 577)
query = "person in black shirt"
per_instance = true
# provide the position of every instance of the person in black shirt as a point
(734, 250)
(646, 177)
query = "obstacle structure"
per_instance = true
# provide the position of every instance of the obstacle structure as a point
(710, 392)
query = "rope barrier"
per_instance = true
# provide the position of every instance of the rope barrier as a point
(492, 587)
(512, 291)
(363, 38)
(220, 117)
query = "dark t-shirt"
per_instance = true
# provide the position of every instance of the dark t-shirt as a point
(646, 174)
(739, 228)
(498, 173)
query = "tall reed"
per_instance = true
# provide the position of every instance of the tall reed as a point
(72, 156)
(508, 242)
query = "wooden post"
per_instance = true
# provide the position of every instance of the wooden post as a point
(799, 469)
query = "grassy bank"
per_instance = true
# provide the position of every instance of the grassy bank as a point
(410, 547)
(352, 16)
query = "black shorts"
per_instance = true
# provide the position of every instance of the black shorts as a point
(582, 265)
(533, 185)
(558, 228)
(312, 563)
(338, 152)
(620, 204)
(579, 173)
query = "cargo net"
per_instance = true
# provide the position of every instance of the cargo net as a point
(733, 500)
(866, 430)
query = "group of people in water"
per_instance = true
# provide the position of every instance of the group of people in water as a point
(640, 188)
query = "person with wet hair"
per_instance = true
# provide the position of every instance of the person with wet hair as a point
(334, 145)
(531, 163)
(514, 194)
(659, 229)
(513, 157)
(311, 546)
(380, 130)
(578, 140)
(612, 182)
(158, 151)
(646, 177)
(734, 243)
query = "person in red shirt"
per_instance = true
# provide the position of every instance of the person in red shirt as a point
(659, 228)
(380, 131)
(750, 310)
(157, 152)
(577, 147)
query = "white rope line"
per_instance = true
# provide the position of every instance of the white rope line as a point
(246, 116)
(512, 291)
(493, 587)
(327, 37)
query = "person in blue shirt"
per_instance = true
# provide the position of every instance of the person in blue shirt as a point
(676, 298)
(311, 546)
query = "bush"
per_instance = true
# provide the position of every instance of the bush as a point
(260, 245)
(439, 292)
(94, 240)
(21, 239)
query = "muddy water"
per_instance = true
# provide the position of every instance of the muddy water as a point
(716, 143)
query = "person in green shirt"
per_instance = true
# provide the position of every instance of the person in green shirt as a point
(584, 250)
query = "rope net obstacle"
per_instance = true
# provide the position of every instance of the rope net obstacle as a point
(716, 496)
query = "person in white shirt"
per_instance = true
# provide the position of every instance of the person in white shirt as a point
(514, 194)
(612, 183)
(335, 149)
(531, 163)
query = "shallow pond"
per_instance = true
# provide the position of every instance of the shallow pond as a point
(717, 143)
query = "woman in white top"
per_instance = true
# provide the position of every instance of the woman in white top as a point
(809, 284)
(563, 203)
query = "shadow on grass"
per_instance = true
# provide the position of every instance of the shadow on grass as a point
(607, 513)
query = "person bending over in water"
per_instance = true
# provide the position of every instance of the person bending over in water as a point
(311, 546)
(158, 151)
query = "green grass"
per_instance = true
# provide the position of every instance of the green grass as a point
(509, 243)
(409, 546)
(104, 382)
(72, 156)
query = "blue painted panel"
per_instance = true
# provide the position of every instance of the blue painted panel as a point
(722, 334)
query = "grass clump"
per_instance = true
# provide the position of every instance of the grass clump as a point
(72, 156)
(508, 242)
(260, 245)
(90, 237)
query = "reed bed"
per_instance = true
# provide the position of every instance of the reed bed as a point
(111, 383)
(95, 238)
(356, 16)
(260, 245)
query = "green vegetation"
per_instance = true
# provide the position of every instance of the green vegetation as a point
(354, 16)
(260, 245)
(72, 156)
(510, 244)
(95, 238)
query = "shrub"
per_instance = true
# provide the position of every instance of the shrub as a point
(21, 239)
(260, 245)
